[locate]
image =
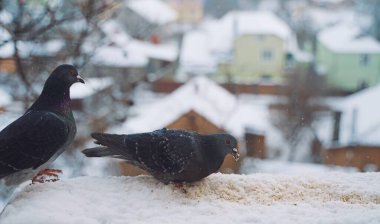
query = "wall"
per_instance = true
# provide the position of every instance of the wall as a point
(355, 156)
(248, 64)
(344, 71)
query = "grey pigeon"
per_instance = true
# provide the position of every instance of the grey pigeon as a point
(33, 141)
(169, 155)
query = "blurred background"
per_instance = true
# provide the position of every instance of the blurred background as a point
(296, 81)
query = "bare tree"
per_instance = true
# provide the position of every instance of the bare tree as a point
(35, 23)
(299, 108)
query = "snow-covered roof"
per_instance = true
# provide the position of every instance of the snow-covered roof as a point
(344, 38)
(93, 85)
(365, 128)
(118, 57)
(256, 22)
(220, 198)
(200, 94)
(155, 11)
(125, 51)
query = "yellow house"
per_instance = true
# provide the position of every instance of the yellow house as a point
(188, 11)
(260, 46)
(242, 46)
(258, 57)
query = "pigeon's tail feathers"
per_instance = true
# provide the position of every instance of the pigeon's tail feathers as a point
(109, 140)
(98, 152)
(111, 146)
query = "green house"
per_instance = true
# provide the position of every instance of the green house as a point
(349, 61)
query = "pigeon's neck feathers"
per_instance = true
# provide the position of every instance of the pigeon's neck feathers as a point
(53, 98)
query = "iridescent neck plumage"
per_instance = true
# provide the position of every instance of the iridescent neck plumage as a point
(53, 100)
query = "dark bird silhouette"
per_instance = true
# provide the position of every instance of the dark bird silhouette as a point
(33, 141)
(169, 155)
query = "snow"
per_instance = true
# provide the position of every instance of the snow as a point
(196, 54)
(93, 85)
(118, 57)
(345, 38)
(220, 198)
(155, 11)
(124, 51)
(5, 98)
(5, 17)
(212, 43)
(200, 94)
(28, 48)
(367, 118)
(252, 165)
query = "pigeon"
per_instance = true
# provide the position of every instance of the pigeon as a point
(169, 155)
(30, 143)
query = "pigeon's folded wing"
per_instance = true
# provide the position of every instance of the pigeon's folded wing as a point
(160, 153)
(30, 141)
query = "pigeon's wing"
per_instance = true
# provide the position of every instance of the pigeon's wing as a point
(162, 151)
(31, 141)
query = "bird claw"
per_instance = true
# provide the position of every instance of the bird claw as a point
(47, 175)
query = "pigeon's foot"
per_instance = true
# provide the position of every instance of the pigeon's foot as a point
(47, 175)
(180, 186)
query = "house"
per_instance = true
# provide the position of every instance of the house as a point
(122, 54)
(355, 132)
(154, 19)
(199, 105)
(233, 49)
(348, 60)
(188, 11)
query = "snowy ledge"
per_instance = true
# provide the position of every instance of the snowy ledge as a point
(220, 198)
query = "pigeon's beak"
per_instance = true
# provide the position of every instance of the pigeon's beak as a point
(235, 154)
(80, 79)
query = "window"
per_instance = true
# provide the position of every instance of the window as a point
(266, 55)
(364, 60)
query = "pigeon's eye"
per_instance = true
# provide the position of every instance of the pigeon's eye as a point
(72, 73)
(227, 141)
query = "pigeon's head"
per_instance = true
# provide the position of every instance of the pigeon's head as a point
(229, 145)
(64, 75)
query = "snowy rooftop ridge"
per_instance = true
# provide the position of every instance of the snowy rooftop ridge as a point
(220, 198)
(200, 94)
(155, 11)
(344, 38)
(256, 22)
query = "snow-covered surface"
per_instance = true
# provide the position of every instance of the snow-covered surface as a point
(199, 94)
(220, 198)
(93, 85)
(345, 38)
(155, 11)
(366, 129)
